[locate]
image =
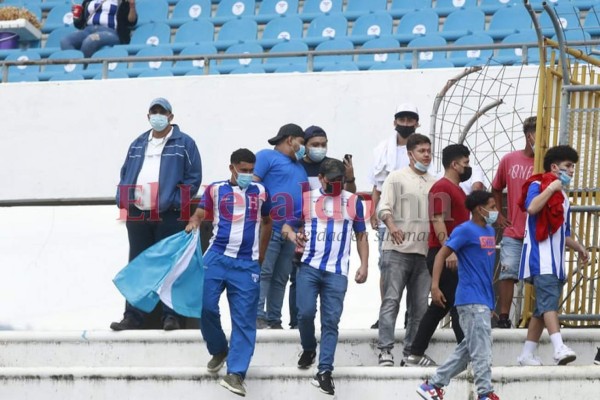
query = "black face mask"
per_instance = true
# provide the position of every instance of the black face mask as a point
(405, 131)
(465, 176)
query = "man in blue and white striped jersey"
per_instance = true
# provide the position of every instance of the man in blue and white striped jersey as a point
(329, 214)
(235, 207)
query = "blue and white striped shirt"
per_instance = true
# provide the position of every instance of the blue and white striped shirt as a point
(106, 14)
(235, 214)
(546, 257)
(327, 227)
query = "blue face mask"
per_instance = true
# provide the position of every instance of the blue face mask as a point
(317, 154)
(243, 179)
(159, 122)
(300, 152)
(421, 167)
(491, 217)
(565, 179)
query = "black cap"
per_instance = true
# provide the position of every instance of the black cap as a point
(313, 131)
(332, 169)
(285, 131)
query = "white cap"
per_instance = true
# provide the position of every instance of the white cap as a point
(407, 108)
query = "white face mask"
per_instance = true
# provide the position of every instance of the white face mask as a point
(317, 154)
(159, 122)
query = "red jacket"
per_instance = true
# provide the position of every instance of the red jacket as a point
(551, 217)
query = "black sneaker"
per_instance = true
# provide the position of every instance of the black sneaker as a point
(307, 358)
(597, 359)
(324, 382)
(171, 323)
(504, 324)
(375, 325)
(125, 324)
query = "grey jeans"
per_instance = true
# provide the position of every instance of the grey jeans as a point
(399, 271)
(476, 347)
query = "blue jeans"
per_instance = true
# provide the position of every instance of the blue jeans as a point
(547, 293)
(90, 39)
(510, 258)
(476, 347)
(274, 274)
(331, 288)
(240, 278)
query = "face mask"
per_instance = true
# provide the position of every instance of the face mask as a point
(317, 154)
(334, 188)
(159, 122)
(421, 167)
(300, 152)
(465, 176)
(243, 179)
(405, 131)
(565, 179)
(491, 217)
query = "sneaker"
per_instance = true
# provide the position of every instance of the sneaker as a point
(504, 324)
(171, 323)
(125, 324)
(216, 362)
(564, 355)
(261, 323)
(597, 359)
(307, 358)
(489, 396)
(386, 359)
(234, 383)
(324, 382)
(276, 325)
(529, 360)
(420, 361)
(375, 325)
(430, 392)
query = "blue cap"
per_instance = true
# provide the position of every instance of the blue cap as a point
(160, 101)
(313, 131)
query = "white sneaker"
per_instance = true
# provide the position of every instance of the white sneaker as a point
(564, 355)
(529, 360)
(386, 359)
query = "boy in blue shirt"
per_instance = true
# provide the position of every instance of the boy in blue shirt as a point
(474, 243)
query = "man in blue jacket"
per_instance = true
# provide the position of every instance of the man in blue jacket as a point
(160, 176)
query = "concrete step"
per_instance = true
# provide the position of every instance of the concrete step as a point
(179, 349)
(289, 383)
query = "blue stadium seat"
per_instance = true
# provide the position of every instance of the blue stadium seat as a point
(280, 29)
(270, 9)
(291, 68)
(247, 69)
(193, 32)
(25, 55)
(189, 10)
(440, 63)
(400, 8)
(417, 23)
(286, 47)
(140, 66)
(446, 7)
(345, 66)
(584, 4)
(314, 8)
(120, 74)
(577, 36)
(213, 71)
(106, 52)
(54, 38)
(356, 8)
(515, 55)
(241, 48)
(538, 4)
(153, 73)
(184, 66)
(425, 56)
(336, 44)
(592, 21)
(236, 31)
(16, 77)
(326, 27)
(48, 5)
(509, 20)
(387, 66)
(151, 11)
(567, 15)
(64, 76)
(151, 34)
(229, 9)
(463, 22)
(464, 57)
(369, 26)
(491, 6)
(58, 17)
(62, 69)
(365, 61)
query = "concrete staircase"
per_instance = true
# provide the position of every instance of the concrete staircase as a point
(171, 365)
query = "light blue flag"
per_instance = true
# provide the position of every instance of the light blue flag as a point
(170, 271)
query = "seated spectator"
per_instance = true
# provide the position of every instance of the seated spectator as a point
(100, 23)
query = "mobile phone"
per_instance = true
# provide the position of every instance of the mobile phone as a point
(348, 157)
